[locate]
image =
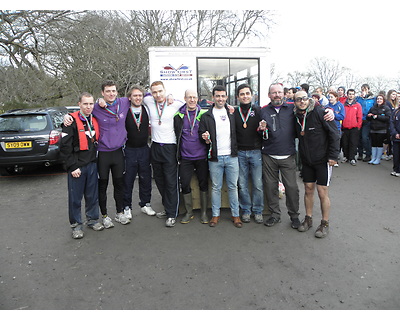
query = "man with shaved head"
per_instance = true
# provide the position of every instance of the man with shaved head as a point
(319, 146)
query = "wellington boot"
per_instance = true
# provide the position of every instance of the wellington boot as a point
(187, 199)
(203, 207)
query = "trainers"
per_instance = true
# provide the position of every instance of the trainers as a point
(344, 160)
(170, 222)
(258, 218)
(148, 210)
(97, 226)
(107, 222)
(393, 173)
(306, 224)
(272, 221)
(128, 213)
(353, 162)
(161, 214)
(322, 230)
(295, 223)
(77, 232)
(246, 218)
(121, 218)
(336, 165)
(397, 174)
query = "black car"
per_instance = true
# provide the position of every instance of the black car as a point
(30, 137)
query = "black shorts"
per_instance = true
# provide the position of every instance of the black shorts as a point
(319, 173)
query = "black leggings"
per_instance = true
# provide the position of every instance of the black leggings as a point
(114, 161)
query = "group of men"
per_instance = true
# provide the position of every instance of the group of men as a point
(235, 143)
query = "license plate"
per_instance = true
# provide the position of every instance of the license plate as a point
(19, 145)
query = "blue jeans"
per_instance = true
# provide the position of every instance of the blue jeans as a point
(83, 187)
(365, 142)
(230, 166)
(250, 164)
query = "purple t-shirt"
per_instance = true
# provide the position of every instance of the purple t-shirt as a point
(112, 124)
(191, 147)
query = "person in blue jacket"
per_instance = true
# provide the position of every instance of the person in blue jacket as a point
(338, 109)
(367, 100)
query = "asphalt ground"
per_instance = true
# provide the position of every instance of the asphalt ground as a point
(146, 266)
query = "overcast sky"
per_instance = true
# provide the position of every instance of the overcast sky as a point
(363, 37)
(360, 35)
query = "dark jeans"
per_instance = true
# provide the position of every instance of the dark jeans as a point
(84, 186)
(114, 161)
(137, 162)
(364, 143)
(396, 156)
(186, 169)
(349, 142)
(165, 172)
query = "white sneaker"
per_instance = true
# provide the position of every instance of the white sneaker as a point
(336, 165)
(128, 213)
(161, 214)
(170, 222)
(121, 218)
(148, 210)
(107, 222)
(353, 162)
(344, 160)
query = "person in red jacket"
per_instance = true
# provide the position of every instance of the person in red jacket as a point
(79, 150)
(351, 126)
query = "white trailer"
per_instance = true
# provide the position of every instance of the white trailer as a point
(181, 68)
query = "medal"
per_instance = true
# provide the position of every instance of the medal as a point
(159, 122)
(192, 123)
(303, 123)
(247, 117)
(302, 133)
(112, 112)
(160, 109)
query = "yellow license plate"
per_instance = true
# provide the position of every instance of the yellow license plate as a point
(19, 145)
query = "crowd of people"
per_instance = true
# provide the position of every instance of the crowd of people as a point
(255, 149)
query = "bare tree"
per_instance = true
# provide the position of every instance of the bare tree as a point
(325, 72)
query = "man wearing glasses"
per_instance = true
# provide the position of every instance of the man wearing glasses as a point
(279, 155)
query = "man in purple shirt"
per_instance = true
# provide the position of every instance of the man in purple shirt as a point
(191, 154)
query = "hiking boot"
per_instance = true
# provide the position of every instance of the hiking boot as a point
(295, 223)
(258, 218)
(323, 229)
(271, 221)
(306, 224)
(246, 218)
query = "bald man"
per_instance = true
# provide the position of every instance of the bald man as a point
(192, 154)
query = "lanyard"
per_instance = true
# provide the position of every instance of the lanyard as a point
(192, 123)
(160, 112)
(303, 124)
(112, 112)
(247, 117)
(89, 123)
(138, 120)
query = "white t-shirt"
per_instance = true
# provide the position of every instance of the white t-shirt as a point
(223, 130)
(162, 124)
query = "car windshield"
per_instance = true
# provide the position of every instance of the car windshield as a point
(23, 123)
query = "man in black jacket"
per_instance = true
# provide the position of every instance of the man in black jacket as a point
(319, 146)
(79, 149)
(217, 129)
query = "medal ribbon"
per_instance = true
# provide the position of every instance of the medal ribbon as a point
(138, 121)
(112, 112)
(302, 125)
(247, 116)
(192, 123)
(160, 112)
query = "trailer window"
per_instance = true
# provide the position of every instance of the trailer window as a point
(229, 72)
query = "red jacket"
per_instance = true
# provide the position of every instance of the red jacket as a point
(353, 117)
